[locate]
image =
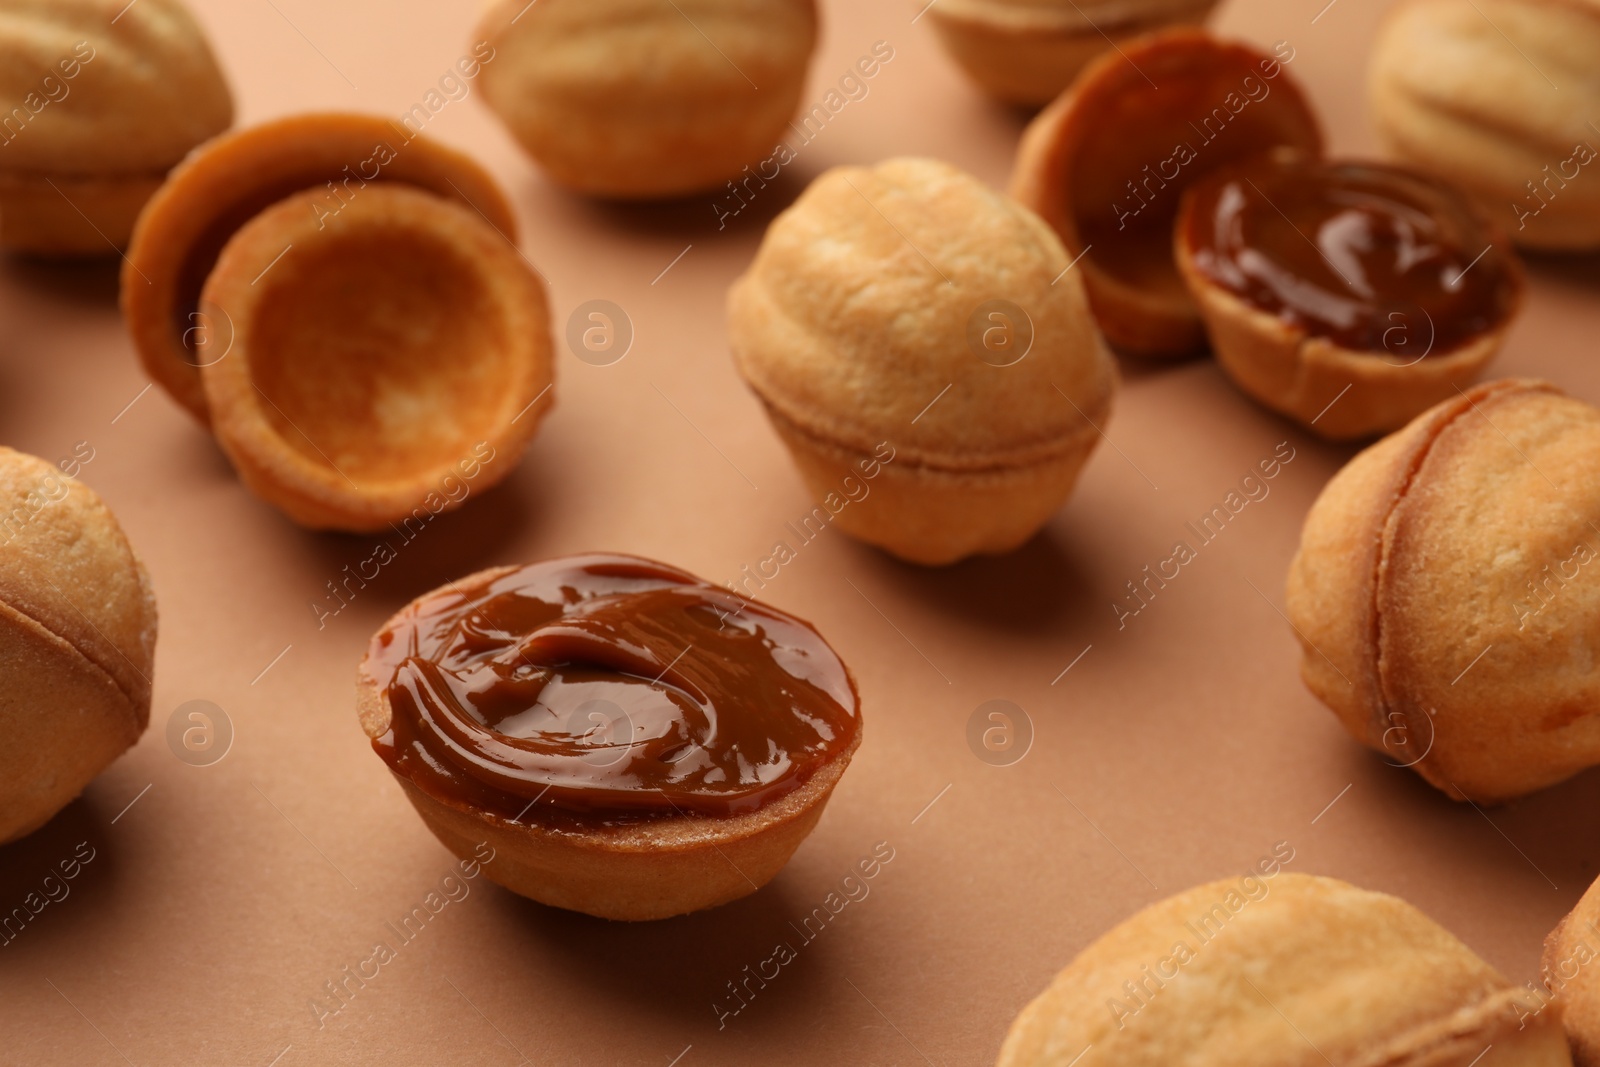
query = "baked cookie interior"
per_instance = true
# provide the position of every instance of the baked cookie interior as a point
(378, 351)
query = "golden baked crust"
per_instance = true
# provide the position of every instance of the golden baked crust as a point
(855, 314)
(104, 98)
(77, 641)
(1491, 93)
(647, 98)
(375, 357)
(1303, 377)
(1441, 597)
(71, 216)
(639, 872)
(853, 326)
(232, 179)
(1080, 158)
(147, 90)
(1304, 971)
(1571, 969)
(933, 515)
(1028, 51)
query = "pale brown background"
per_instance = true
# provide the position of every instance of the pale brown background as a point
(224, 898)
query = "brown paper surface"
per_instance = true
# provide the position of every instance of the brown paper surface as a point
(1178, 749)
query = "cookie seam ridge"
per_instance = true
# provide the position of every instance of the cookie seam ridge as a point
(1418, 456)
(914, 457)
(133, 705)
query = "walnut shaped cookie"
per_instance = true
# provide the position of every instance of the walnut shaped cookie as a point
(1446, 593)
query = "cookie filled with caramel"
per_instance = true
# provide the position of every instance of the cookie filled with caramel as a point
(1349, 296)
(633, 742)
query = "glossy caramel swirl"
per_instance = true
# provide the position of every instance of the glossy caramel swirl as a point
(1372, 257)
(607, 687)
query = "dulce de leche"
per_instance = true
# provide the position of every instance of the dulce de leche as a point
(1372, 257)
(607, 689)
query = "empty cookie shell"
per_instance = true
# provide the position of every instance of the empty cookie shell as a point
(230, 180)
(77, 641)
(381, 360)
(1107, 164)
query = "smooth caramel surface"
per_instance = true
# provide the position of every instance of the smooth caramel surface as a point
(1372, 257)
(607, 687)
